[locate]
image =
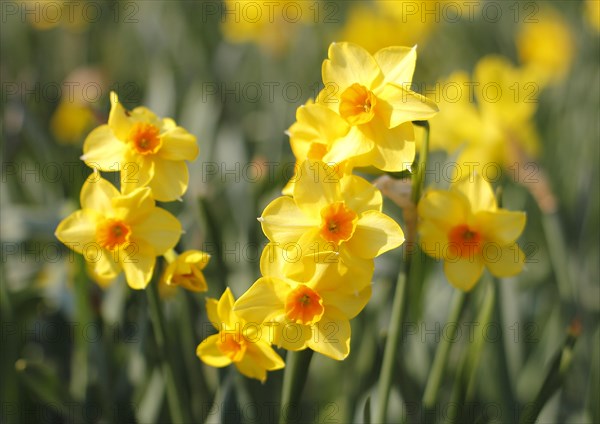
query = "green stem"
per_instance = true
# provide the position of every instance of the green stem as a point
(174, 396)
(441, 355)
(558, 255)
(397, 318)
(294, 377)
(391, 349)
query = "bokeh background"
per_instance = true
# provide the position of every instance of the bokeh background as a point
(233, 74)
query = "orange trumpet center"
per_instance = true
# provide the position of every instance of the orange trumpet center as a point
(112, 233)
(304, 306)
(464, 241)
(338, 222)
(145, 138)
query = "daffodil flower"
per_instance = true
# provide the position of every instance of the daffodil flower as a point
(116, 232)
(464, 227)
(185, 270)
(298, 315)
(372, 94)
(327, 214)
(148, 151)
(239, 342)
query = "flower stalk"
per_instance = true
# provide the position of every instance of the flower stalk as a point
(398, 306)
(174, 395)
(294, 377)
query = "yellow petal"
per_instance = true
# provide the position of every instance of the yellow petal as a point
(445, 208)
(349, 304)
(97, 194)
(501, 226)
(272, 260)
(210, 354)
(134, 207)
(178, 145)
(159, 229)
(375, 233)
(348, 64)
(284, 222)
(225, 309)
(170, 180)
(138, 264)
(213, 314)
(433, 238)
(463, 273)
(250, 368)
(504, 261)
(478, 191)
(103, 270)
(118, 120)
(355, 143)
(397, 64)
(263, 301)
(102, 150)
(259, 358)
(289, 335)
(394, 149)
(317, 185)
(142, 113)
(331, 335)
(360, 195)
(398, 105)
(136, 171)
(78, 231)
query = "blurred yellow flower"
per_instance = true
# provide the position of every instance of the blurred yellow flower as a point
(147, 150)
(327, 214)
(185, 270)
(313, 315)
(464, 227)
(495, 112)
(592, 13)
(239, 342)
(271, 25)
(547, 46)
(70, 121)
(383, 23)
(116, 232)
(372, 94)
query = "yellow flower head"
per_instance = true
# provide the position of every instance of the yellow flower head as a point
(372, 94)
(313, 315)
(239, 341)
(464, 227)
(185, 270)
(70, 121)
(331, 215)
(147, 150)
(271, 25)
(495, 112)
(546, 46)
(115, 232)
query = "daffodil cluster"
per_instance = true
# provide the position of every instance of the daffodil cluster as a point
(123, 230)
(328, 228)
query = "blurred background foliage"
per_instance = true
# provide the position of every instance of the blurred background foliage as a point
(73, 352)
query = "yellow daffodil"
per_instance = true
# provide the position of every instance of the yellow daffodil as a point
(185, 270)
(298, 315)
(464, 227)
(492, 131)
(313, 135)
(328, 214)
(147, 150)
(115, 232)
(591, 12)
(71, 121)
(372, 94)
(271, 25)
(383, 23)
(239, 341)
(547, 46)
